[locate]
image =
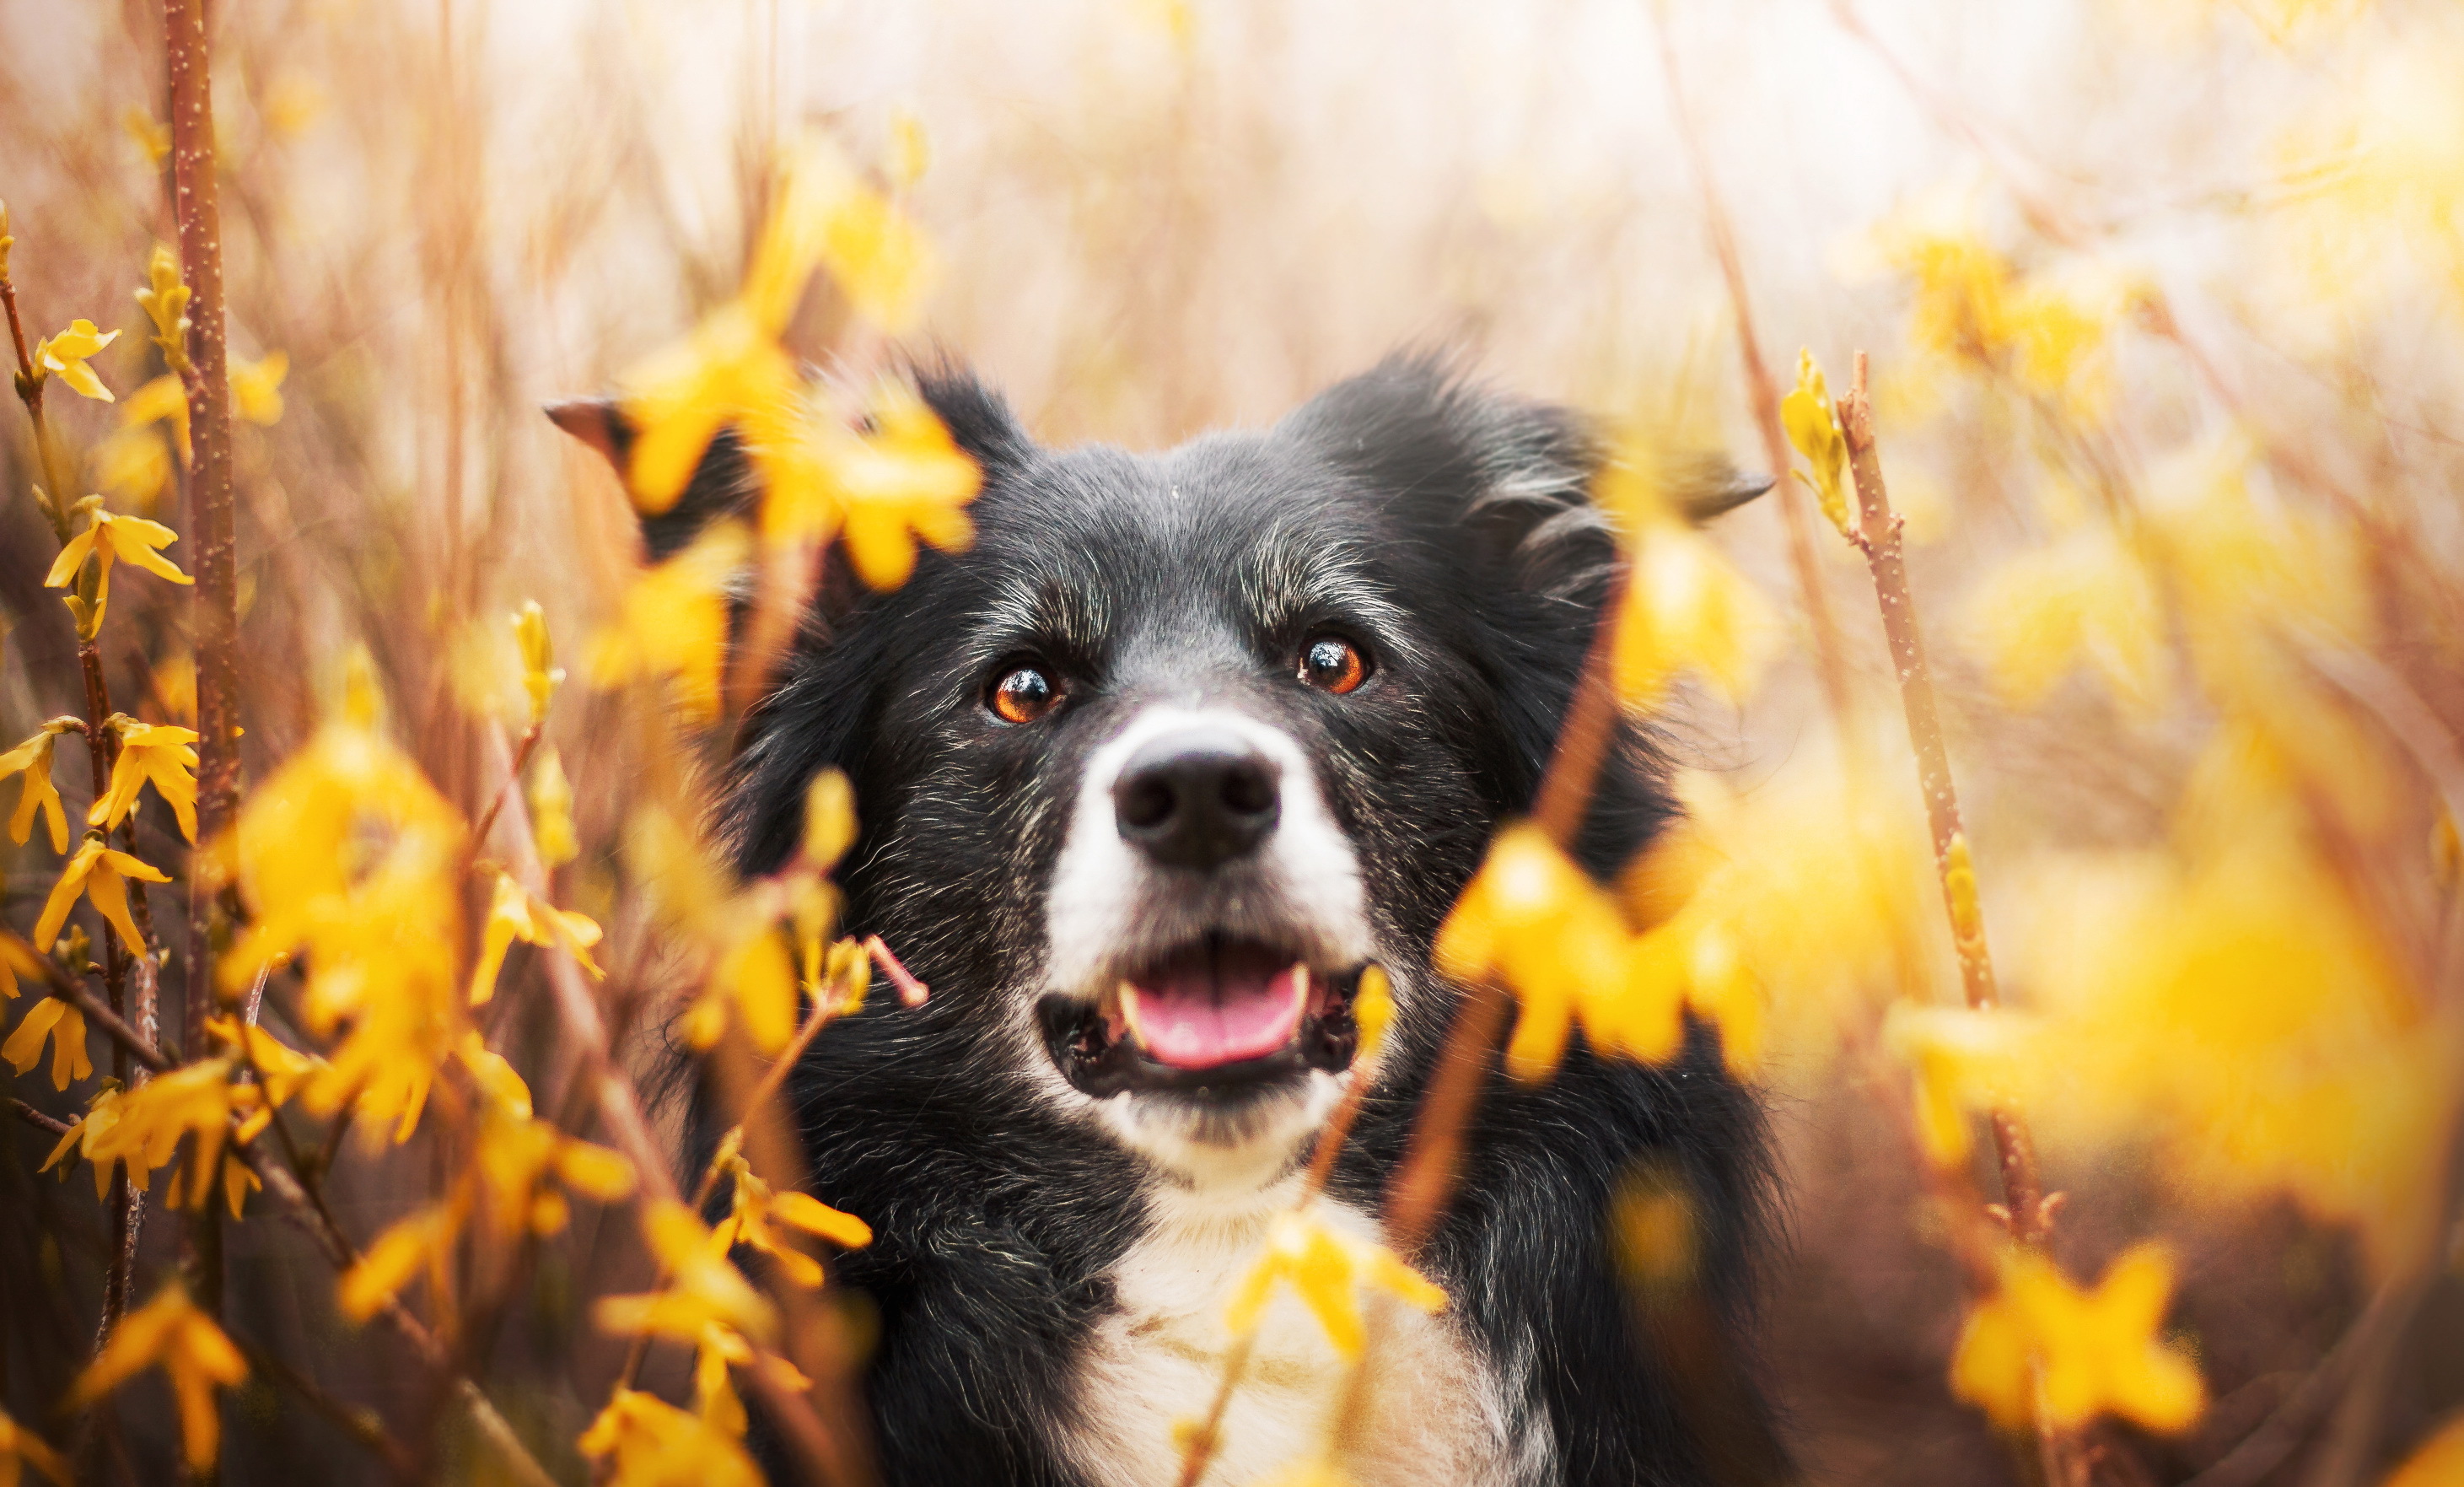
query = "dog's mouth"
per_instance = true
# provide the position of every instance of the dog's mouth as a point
(1217, 1014)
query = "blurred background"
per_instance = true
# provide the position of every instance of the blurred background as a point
(2163, 302)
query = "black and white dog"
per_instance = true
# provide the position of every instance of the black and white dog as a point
(1147, 775)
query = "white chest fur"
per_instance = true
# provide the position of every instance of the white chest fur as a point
(1159, 1358)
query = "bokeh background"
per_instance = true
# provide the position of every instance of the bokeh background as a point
(2163, 302)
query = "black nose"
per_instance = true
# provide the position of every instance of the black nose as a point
(1198, 798)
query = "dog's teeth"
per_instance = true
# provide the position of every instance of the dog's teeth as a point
(1129, 1000)
(1301, 980)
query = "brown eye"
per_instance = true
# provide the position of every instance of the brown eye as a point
(1332, 665)
(1023, 695)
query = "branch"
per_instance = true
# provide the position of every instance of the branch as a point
(33, 1117)
(211, 521)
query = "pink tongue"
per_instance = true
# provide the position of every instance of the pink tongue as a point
(1197, 1019)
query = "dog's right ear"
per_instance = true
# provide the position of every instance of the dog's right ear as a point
(722, 484)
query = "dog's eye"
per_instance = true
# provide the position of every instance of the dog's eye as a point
(1332, 665)
(1023, 695)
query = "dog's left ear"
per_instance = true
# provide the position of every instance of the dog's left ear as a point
(721, 485)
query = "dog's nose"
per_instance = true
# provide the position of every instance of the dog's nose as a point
(1198, 798)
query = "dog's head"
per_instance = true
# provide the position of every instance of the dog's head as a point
(1181, 743)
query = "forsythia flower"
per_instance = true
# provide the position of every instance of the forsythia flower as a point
(551, 796)
(1307, 1472)
(518, 1152)
(1686, 608)
(108, 539)
(1963, 1059)
(65, 1026)
(165, 303)
(674, 623)
(170, 1334)
(256, 387)
(282, 1068)
(199, 1098)
(514, 913)
(17, 959)
(102, 873)
(703, 1290)
(879, 489)
(649, 1443)
(164, 400)
(752, 974)
(38, 793)
(158, 752)
(2090, 596)
(350, 859)
(90, 1128)
(1373, 1010)
(1806, 412)
(387, 1266)
(1327, 1267)
(63, 356)
(2439, 1462)
(18, 1446)
(756, 1209)
(1531, 919)
(540, 672)
(2083, 1353)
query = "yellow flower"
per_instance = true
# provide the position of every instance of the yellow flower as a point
(256, 386)
(164, 400)
(1806, 414)
(514, 914)
(1307, 1472)
(2439, 1462)
(165, 303)
(158, 752)
(20, 1445)
(1534, 921)
(1327, 1267)
(2083, 1353)
(703, 1289)
(540, 672)
(2088, 596)
(753, 969)
(350, 861)
(879, 488)
(730, 369)
(170, 1334)
(132, 463)
(1963, 1061)
(1373, 1010)
(649, 1443)
(551, 796)
(281, 1068)
(151, 134)
(400, 1253)
(109, 538)
(198, 1099)
(38, 793)
(1686, 608)
(101, 1114)
(517, 1153)
(17, 959)
(103, 874)
(829, 215)
(63, 356)
(674, 623)
(65, 1025)
(756, 1209)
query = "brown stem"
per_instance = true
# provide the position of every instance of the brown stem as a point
(363, 1424)
(99, 1015)
(771, 1081)
(1762, 394)
(513, 781)
(30, 391)
(212, 522)
(33, 1117)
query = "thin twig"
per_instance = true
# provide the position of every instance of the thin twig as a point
(1762, 394)
(33, 1117)
(211, 518)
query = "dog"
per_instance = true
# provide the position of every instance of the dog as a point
(1147, 775)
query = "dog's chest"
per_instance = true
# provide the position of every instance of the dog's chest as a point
(1159, 1358)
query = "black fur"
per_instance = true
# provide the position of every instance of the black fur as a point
(1466, 516)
